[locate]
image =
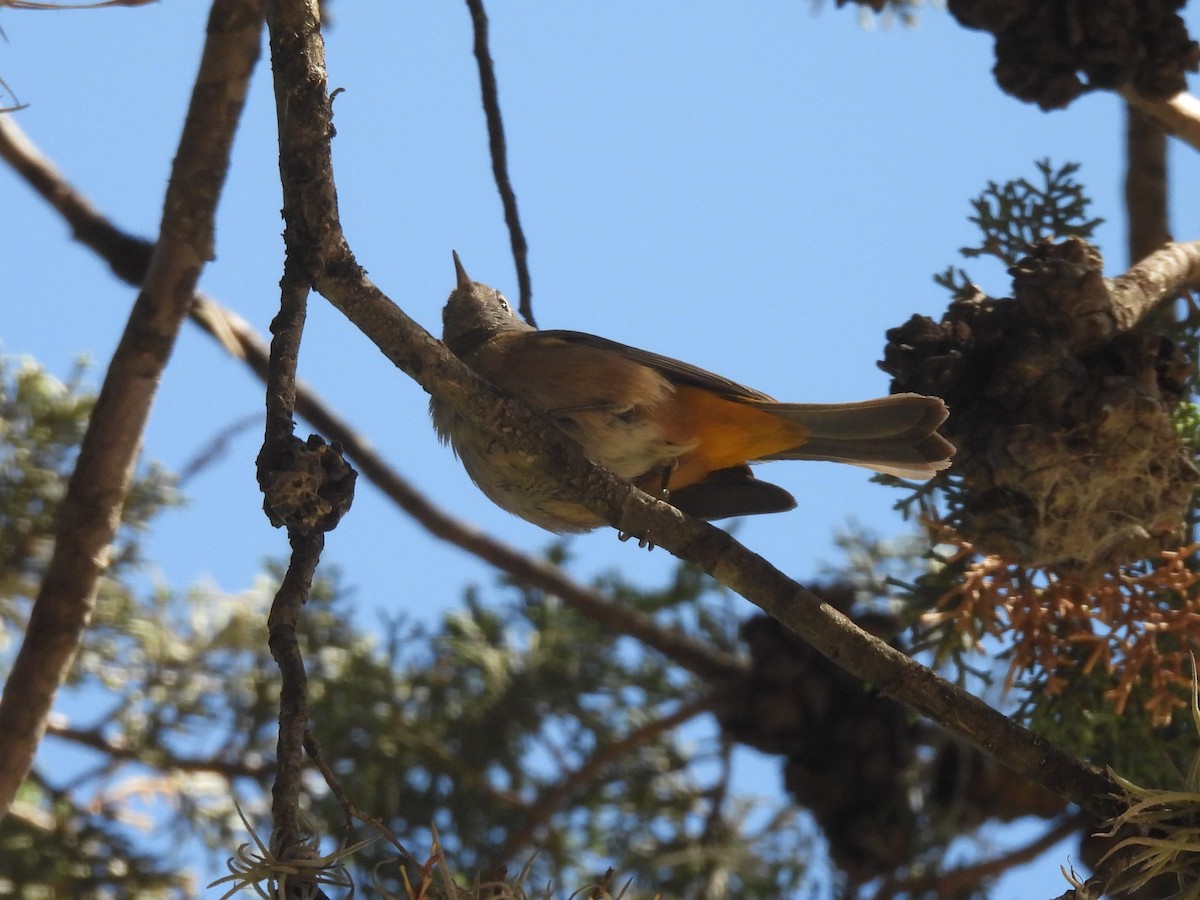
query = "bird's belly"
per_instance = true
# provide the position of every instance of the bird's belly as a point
(626, 443)
(511, 480)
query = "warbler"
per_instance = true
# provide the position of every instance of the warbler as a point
(673, 429)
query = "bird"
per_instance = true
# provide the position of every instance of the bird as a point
(674, 430)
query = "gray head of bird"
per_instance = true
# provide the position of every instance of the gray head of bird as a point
(474, 313)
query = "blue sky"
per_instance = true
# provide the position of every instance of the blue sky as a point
(761, 189)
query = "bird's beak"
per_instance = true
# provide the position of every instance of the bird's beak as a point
(464, 280)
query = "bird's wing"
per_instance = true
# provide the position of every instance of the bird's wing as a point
(673, 369)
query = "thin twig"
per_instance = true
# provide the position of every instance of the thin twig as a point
(97, 489)
(349, 809)
(287, 834)
(296, 479)
(287, 329)
(499, 152)
(217, 447)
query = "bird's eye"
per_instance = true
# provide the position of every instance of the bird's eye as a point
(503, 303)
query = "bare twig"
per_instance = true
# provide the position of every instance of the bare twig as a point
(499, 152)
(286, 329)
(216, 448)
(96, 492)
(298, 482)
(349, 810)
(287, 835)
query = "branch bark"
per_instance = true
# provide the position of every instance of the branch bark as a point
(287, 834)
(97, 489)
(1165, 272)
(499, 155)
(1180, 115)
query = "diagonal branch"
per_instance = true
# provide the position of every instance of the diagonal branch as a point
(1165, 272)
(97, 489)
(499, 151)
(961, 881)
(126, 255)
(157, 757)
(306, 125)
(1180, 115)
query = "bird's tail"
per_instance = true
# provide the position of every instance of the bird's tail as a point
(896, 435)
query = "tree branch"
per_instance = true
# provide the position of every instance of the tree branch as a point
(1145, 184)
(1180, 115)
(305, 486)
(97, 489)
(349, 810)
(1165, 272)
(499, 152)
(156, 757)
(287, 834)
(287, 328)
(305, 112)
(960, 882)
(126, 255)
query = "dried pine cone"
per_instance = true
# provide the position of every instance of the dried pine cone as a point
(1050, 51)
(848, 751)
(854, 758)
(1066, 452)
